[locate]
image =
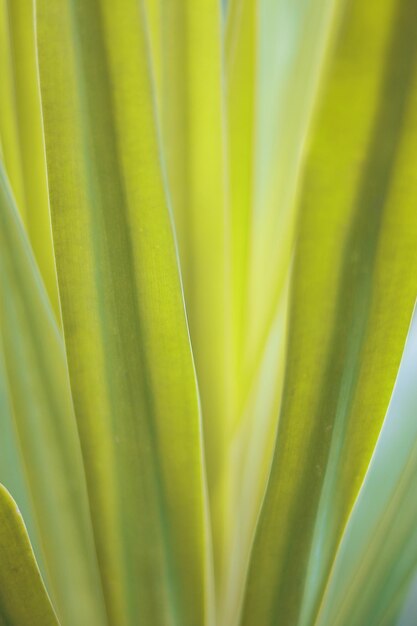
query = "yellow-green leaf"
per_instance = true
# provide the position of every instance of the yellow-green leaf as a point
(11, 463)
(9, 131)
(274, 51)
(377, 558)
(129, 356)
(22, 135)
(23, 597)
(194, 148)
(352, 298)
(39, 395)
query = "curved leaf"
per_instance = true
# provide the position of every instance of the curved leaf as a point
(351, 302)
(377, 558)
(23, 597)
(11, 466)
(39, 395)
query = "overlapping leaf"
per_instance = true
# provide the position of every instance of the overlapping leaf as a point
(125, 329)
(175, 137)
(11, 463)
(352, 297)
(377, 559)
(21, 133)
(274, 51)
(36, 383)
(23, 597)
(189, 78)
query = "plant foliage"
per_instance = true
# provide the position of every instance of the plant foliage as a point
(208, 255)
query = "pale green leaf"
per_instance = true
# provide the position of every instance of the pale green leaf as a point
(194, 148)
(408, 609)
(23, 597)
(274, 51)
(130, 363)
(292, 44)
(11, 463)
(39, 395)
(351, 302)
(377, 558)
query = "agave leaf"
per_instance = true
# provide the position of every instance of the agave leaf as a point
(130, 363)
(377, 558)
(38, 390)
(351, 302)
(23, 597)
(21, 126)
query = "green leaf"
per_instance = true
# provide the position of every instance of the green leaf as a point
(194, 148)
(408, 608)
(351, 302)
(9, 131)
(21, 133)
(275, 50)
(292, 40)
(23, 597)
(155, 27)
(11, 464)
(130, 363)
(241, 59)
(377, 559)
(39, 395)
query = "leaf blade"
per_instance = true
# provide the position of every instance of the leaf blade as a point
(23, 597)
(23, 149)
(38, 390)
(124, 323)
(377, 557)
(194, 143)
(329, 421)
